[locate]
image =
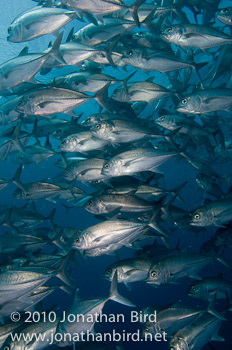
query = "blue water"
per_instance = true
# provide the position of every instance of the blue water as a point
(88, 275)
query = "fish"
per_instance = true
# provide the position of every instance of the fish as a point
(24, 67)
(197, 333)
(115, 191)
(82, 142)
(95, 34)
(105, 204)
(89, 310)
(120, 131)
(194, 35)
(209, 185)
(38, 21)
(215, 213)
(135, 161)
(85, 170)
(46, 329)
(16, 283)
(171, 319)
(109, 232)
(50, 101)
(206, 101)
(172, 268)
(209, 288)
(225, 15)
(141, 91)
(155, 60)
(129, 270)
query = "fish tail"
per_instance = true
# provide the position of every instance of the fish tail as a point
(114, 295)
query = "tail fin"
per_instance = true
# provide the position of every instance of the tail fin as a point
(54, 51)
(16, 178)
(99, 97)
(134, 11)
(114, 295)
(125, 80)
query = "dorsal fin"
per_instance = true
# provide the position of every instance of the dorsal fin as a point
(24, 51)
(70, 35)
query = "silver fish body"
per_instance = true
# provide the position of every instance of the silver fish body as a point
(38, 21)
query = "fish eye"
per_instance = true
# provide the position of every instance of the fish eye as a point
(106, 166)
(78, 240)
(169, 30)
(146, 329)
(171, 348)
(193, 288)
(58, 132)
(108, 271)
(6, 347)
(162, 118)
(98, 126)
(9, 31)
(90, 203)
(226, 10)
(197, 216)
(153, 274)
(184, 101)
(129, 53)
(88, 120)
(20, 103)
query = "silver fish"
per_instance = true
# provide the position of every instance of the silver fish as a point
(135, 161)
(197, 333)
(215, 213)
(206, 101)
(38, 21)
(195, 35)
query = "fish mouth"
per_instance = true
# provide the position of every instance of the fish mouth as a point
(19, 109)
(151, 282)
(180, 108)
(193, 223)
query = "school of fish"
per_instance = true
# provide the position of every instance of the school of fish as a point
(134, 110)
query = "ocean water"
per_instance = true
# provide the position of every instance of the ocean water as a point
(87, 275)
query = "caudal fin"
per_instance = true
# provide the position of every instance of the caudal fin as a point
(114, 295)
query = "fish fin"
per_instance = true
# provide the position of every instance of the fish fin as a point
(125, 80)
(66, 289)
(224, 262)
(114, 295)
(25, 299)
(155, 225)
(70, 35)
(127, 285)
(24, 51)
(100, 97)
(217, 337)
(16, 178)
(223, 213)
(92, 19)
(54, 51)
(134, 11)
(50, 218)
(195, 277)
(71, 113)
(77, 298)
